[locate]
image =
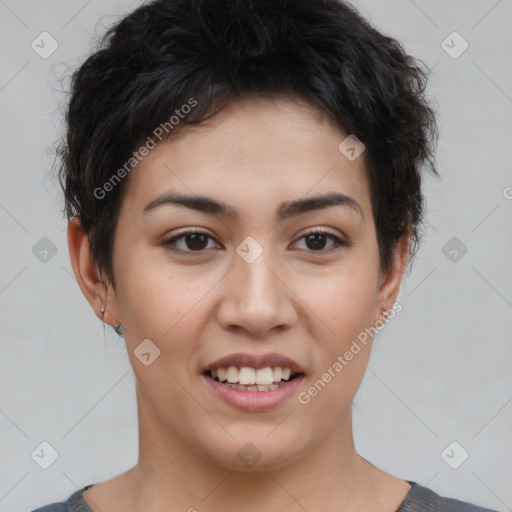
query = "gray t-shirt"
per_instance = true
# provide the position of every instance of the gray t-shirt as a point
(419, 499)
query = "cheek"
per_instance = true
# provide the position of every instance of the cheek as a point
(154, 303)
(345, 304)
(159, 304)
(343, 300)
(152, 294)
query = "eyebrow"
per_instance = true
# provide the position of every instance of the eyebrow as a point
(286, 209)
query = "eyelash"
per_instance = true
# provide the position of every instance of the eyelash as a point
(169, 244)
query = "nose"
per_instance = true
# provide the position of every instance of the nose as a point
(257, 298)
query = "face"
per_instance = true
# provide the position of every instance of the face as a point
(249, 282)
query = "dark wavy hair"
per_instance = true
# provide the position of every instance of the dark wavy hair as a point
(150, 63)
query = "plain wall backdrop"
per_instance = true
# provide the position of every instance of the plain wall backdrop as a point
(440, 371)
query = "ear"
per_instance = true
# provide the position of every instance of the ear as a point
(389, 282)
(98, 291)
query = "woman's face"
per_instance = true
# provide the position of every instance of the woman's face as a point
(252, 283)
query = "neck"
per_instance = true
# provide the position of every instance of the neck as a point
(172, 471)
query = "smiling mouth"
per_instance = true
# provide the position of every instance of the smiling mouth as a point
(251, 379)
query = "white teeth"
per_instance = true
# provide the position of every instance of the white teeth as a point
(264, 376)
(221, 374)
(247, 376)
(250, 379)
(232, 374)
(253, 388)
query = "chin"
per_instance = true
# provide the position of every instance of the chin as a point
(257, 453)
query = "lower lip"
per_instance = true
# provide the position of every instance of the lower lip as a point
(254, 400)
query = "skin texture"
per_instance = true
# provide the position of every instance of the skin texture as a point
(308, 301)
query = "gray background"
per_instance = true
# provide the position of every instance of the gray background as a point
(440, 371)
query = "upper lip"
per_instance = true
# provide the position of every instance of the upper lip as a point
(255, 361)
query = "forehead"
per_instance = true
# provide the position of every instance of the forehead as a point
(255, 151)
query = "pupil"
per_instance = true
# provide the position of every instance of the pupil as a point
(314, 237)
(195, 237)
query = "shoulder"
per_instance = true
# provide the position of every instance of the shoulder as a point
(422, 499)
(53, 507)
(75, 503)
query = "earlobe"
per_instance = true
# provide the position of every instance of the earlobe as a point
(98, 292)
(389, 285)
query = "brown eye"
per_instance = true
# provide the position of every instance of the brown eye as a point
(196, 241)
(191, 241)
(316, 241)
